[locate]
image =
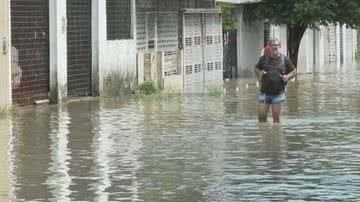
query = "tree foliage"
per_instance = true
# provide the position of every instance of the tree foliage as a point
(228, 15)
(299, 15)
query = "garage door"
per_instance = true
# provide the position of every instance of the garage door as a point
(79, 47)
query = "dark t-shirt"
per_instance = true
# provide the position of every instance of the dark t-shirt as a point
(268, 87)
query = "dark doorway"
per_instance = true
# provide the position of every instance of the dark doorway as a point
(79, 47)
(230, 54)
(30, 50)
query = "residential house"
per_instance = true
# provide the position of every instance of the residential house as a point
(324, 46)
(250, 38)
(75, 48)
(333, 44)
(179, 44)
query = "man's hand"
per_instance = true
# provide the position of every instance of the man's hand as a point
(285, 78)
(288, 77)
(262, 73)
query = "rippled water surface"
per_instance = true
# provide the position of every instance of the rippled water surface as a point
(191, 148)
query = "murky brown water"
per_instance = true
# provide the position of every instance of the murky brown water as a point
(193, 148)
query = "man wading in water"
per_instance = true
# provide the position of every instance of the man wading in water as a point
(274, 71)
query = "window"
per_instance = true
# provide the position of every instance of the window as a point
(118, 14)
(171, 63)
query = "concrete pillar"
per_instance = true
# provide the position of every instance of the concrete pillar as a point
(58, 50)
(322, 48)
(250, 42)
(338, 49)
(355, 45)
(5, 55)
(345, 42)
(95, 20)
(280, 32)
(283, 39)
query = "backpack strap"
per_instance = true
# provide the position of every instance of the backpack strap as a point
(267, 61)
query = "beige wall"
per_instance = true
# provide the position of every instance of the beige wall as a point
(5, 76)
(5, 130)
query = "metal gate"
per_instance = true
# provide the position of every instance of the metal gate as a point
(79, 47)
(30, 50)
(203, 52)
(193, 54)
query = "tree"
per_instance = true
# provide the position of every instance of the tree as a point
(298, 15)
(228, 13)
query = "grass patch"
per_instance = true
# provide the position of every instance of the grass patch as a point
(150, 90)
(215, 91)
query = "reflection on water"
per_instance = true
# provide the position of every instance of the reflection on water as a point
(193, 148)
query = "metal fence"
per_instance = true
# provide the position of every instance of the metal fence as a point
(157, 30)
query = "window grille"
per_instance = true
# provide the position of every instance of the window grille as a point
(197, 40)
(210, 66)
(118, 15)
(188, 69)
(171, 65)
(157, 30)
(209, 40)
(188, 41)
(217, 65)
(197, 68)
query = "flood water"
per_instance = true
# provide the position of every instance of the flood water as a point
(190, 148)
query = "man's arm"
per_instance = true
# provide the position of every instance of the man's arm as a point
(260, 73)
(259, 68)
(290, 71)
(288, 76)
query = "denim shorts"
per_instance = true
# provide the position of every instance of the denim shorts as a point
(272, 99)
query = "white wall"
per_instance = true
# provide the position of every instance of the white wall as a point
(308, 47)
(280, 33)
(250, 42)
(111, 56)
(58, 50)
(5, 73)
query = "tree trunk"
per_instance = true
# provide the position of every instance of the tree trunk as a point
(295, 34)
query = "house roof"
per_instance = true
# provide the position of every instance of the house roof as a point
(238, 1)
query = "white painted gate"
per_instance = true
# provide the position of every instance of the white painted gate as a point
(193, 54)
(203, 52)
(213, 54)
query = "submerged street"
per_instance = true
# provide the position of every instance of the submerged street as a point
(192, 147)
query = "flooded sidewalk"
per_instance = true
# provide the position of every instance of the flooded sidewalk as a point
(190, 148)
